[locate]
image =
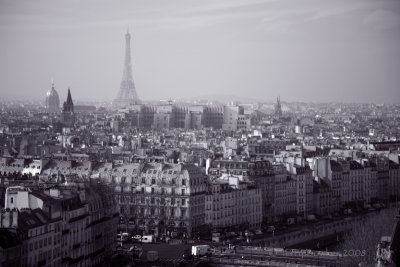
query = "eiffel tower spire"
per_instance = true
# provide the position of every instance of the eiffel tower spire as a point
(127, 93)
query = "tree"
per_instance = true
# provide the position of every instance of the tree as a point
(360, 244)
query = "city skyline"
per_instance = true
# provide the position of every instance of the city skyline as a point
(313, 51)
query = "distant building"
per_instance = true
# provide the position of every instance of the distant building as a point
(52, 100)
(213, 117)
(84, 109)
(127, 95)
(278, 107)
(68, 115)
(231, 115)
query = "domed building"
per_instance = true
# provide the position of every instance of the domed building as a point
(52, 100)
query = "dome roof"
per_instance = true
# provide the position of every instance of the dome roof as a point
(52, 92)
(52, 100)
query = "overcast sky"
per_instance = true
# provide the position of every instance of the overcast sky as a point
(304, 50)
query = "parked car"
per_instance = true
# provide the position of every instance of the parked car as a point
(137, 237)
(201, 250)
(122, 237)
(259, 232)
(187, 255)
(147, 239)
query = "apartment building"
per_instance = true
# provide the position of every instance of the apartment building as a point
(233, 203)
(159, 198)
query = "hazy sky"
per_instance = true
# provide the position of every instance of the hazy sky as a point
(304, 50)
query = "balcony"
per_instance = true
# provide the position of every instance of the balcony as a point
(77, 218)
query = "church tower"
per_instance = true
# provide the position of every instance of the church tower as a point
(127, 95)
(278, 107)
(68, 115)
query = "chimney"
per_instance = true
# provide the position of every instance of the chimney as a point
(14, 218)
(6, 218)
(54, 192)
(208, 165)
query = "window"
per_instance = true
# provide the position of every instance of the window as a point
(183, 212)
(163, 181)
(12, 200)
(173, 181)
(172, 201)
(183, 192)
(152, 190)
(152, 201)
(142, 190)
(153, 181)
(183, 201)
(183, 182)
(162, 191)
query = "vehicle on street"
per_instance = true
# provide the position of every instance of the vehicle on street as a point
(136, 237)
(311, 218)
(248, 233)
(122, 237)
(290, 221)
(147, 239)
(187, 255)
(216, 237)
(347, 211)
(201, 250)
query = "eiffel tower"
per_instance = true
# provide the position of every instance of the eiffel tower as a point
(127, 95)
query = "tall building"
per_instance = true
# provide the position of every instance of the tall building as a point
(213, 117)
(68, 115)
(52, 100)
(127, 95)
(278, 107)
